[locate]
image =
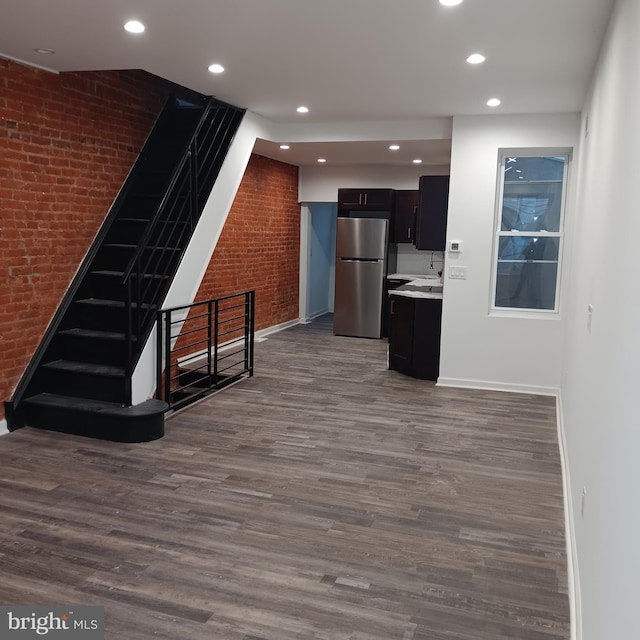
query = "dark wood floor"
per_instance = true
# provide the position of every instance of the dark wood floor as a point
(327, 498)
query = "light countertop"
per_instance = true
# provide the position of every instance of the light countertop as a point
(418, 287)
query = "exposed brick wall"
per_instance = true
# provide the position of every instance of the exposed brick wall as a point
(67, 142)
(259, 247)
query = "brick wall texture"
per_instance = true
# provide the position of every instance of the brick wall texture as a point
(67, 142)
(259, 245)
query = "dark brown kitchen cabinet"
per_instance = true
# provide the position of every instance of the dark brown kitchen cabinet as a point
(414, 336)
(365, 199)
(431, 222)
(404, 218)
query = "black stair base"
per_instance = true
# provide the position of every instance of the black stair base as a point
(104, 420)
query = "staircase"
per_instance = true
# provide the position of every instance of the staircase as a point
(80, 378)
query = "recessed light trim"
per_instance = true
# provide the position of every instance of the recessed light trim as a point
(476, 58)
(215, 68)
(450, 3)
(321, 160)
(493, 102)
(302, 109)
(394, 147)
(285, 146)
(44, 52)
(134, 26)
(417, 161)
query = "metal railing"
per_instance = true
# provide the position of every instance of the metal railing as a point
(203, 347)
(148, 274)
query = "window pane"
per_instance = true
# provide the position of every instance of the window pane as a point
(532, 193)
(526, 285)
(521, 248)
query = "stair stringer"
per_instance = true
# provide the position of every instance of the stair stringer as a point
(203, 242)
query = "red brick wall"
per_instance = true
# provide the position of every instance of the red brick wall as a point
(259, 247)
(67, 142)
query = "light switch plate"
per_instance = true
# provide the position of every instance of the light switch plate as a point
(455, 246)
(458, 273)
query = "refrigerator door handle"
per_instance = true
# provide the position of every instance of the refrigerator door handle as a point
(360, 260)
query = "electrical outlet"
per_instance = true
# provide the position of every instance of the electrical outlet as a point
(458, 273)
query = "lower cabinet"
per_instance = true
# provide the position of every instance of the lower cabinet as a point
(414, 336)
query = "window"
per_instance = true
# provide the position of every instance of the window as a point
(529, 231)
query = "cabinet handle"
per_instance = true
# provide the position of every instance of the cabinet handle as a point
(365, 198)
(408, 233)
(360, 199)
(391, 310)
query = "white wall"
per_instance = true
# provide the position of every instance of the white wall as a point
(521, 354)
(601, 381)
(321, 183)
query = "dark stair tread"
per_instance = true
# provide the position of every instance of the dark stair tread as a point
(86, 368)
(98, 335)
(102, 406)
(120, 274)
(122, 245)
(96, 418)
(114, 304)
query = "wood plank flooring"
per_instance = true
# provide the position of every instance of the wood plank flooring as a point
(327, 498)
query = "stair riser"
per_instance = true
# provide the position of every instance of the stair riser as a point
(95, 425)
(94, 350)
(99, 318)
(82, 385)
(108, 287)
(117, 259)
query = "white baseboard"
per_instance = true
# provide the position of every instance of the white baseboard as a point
(3, 428)
(573, 575)
(263, 333)
(488, 385)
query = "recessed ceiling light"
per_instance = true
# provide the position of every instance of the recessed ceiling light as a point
(322, 159)
(133, 26)
(302, 110)
(216, 68)
(476, 58)
(417, 161)
(394, 147)
(493, 102)
(44, 52)
(285, 146)
(450, 3)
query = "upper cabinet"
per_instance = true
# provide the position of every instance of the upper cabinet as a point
(365, 199)
(404, 219)
(431, 222)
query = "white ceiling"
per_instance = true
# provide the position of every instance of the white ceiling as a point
(347, 60)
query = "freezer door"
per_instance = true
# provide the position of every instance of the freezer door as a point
(358, 300)
(361, 238)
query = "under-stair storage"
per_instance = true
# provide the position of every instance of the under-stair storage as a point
(80, 378)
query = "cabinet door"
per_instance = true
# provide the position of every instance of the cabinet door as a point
(378, 199)
(349, 198)
(405, 210)
(401, 334)
(426, 339)
(431, 224)
(365, 199)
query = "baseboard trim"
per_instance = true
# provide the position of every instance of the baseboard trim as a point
(263, 333)
(573, 575)
(313, 316)
(487, 385)
(3, 428)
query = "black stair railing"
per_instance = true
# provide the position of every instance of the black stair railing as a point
(203, 347)
(146, 277)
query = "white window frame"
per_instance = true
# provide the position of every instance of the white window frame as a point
(503, 155)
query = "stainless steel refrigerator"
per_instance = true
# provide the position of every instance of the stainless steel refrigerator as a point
(362, 252)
